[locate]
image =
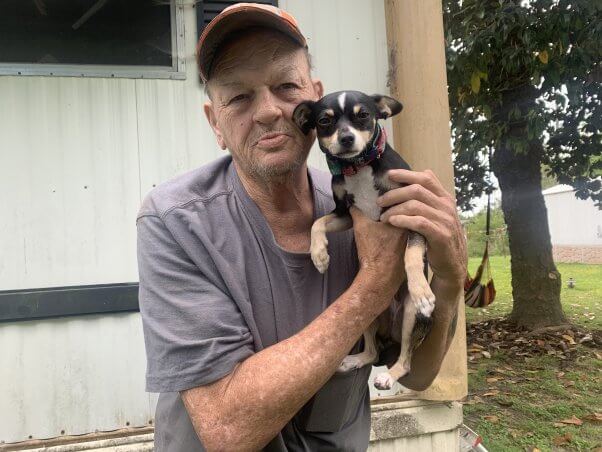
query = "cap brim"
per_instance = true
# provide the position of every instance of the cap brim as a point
(228, 22)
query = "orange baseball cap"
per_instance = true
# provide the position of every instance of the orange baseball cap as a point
(238, 17)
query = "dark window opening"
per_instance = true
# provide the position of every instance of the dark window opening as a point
(92, 32)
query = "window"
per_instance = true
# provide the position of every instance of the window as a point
(133, 38)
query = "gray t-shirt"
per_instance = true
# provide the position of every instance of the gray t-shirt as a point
(215, 288)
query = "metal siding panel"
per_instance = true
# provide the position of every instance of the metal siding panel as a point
(173, 134)
(69, 181)
(75, 375)
(573, 221)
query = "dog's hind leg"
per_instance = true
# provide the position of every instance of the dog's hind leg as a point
(415, 327)
(332, 222)
(417, 310)
(368, 356)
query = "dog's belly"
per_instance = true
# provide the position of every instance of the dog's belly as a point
(361, 186)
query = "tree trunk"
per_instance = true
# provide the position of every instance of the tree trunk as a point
(535, 280)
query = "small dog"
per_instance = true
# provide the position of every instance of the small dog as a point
(359, 157)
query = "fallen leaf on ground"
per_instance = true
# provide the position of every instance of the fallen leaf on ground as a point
(492, 418)
(493, 379)
(595, 417)
(573, 421)
(569, 339)
(486, 354)
(567, 384)
(491, 393)
(564, 439)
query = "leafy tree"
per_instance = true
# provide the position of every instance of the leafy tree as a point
(525, 86)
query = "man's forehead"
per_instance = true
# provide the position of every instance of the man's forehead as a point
(235, 77)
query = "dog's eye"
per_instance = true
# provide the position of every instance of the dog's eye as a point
(324, 121)
(363, 115)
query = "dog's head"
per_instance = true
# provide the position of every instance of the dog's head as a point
(345, 122)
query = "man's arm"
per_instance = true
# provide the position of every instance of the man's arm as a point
(248, 407)
(424, 206)
(427, 359)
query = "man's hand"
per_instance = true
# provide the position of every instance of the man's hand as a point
(381, 250)
(424, 206)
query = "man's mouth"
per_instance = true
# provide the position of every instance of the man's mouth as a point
(272, 140)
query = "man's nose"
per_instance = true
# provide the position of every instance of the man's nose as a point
(268, 110)
(346, 139)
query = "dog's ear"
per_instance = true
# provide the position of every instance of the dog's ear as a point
(386, 106)
(304, 116)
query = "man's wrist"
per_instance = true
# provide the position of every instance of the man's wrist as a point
(449, 292)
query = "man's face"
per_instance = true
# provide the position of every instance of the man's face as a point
(257, 82)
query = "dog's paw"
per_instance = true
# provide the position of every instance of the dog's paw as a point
(384, 381)
(422, 296)
(319, 254)
(351, 362)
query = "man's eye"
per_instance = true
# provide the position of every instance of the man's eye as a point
(363, 115)
(238, 98)
(288, 86)
(324, 121)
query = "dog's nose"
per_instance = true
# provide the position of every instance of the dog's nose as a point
(346, 139)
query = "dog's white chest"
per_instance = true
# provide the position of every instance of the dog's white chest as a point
(361, 186)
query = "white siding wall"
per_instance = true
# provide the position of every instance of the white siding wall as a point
(573, 221)
(76, 158)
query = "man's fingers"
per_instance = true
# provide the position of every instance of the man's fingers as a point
(425, 178)
(409, 192)
(432, 233)
(417, 208)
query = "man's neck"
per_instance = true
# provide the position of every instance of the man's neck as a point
(281, 194)
(287, 204)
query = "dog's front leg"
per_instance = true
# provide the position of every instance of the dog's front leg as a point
(332, 222)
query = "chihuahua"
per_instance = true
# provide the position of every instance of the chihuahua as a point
(359, 158)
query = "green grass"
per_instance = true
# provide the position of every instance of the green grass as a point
(533, 396)
(582, 304)
(528, 409)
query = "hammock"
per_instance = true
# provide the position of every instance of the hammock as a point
(480, 290)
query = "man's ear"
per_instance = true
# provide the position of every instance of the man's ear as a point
(386, 106)
(210, 114)
(303, 116)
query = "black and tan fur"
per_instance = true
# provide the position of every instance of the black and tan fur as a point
(346, 123)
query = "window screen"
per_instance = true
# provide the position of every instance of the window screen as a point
(91, 32)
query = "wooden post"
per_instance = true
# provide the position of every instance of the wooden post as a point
(417, 77)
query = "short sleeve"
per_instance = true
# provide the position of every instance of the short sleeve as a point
(194, 332)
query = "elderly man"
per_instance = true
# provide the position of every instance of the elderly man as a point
(243, 334)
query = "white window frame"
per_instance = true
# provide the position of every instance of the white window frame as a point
(177, 71)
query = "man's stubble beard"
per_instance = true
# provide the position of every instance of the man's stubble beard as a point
(276, 172)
